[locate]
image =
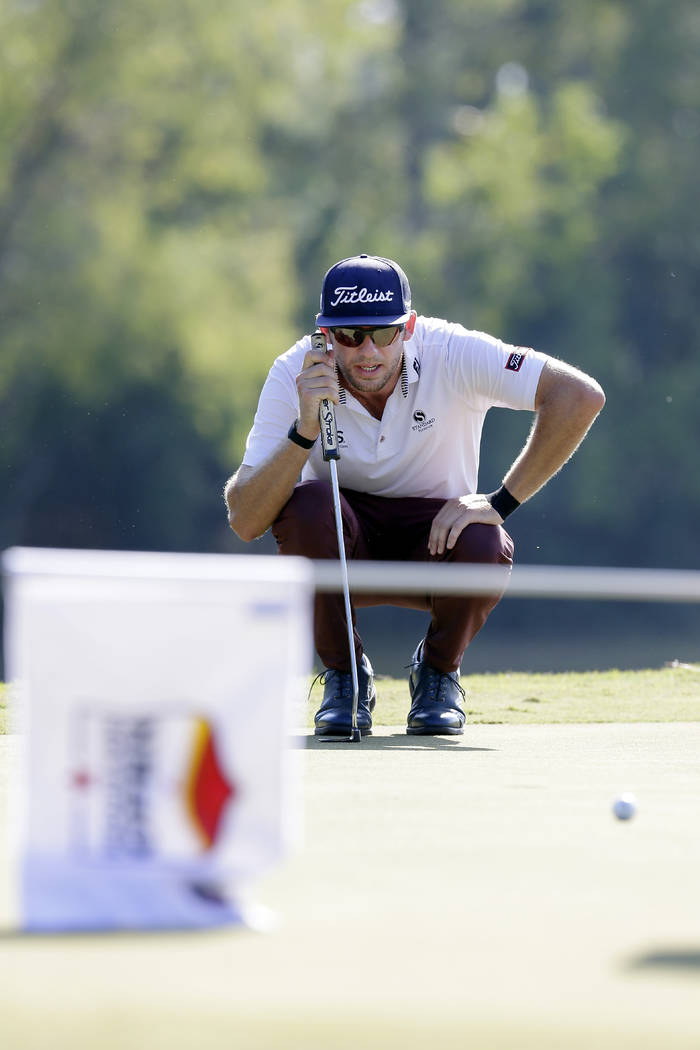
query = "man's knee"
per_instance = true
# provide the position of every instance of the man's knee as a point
(484, 544)
(306, 522)
(309, 501)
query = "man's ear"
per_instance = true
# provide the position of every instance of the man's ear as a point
(410, 325)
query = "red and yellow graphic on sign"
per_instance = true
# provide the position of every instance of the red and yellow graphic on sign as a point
(207, 790)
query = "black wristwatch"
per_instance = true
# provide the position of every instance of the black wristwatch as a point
(294, 435)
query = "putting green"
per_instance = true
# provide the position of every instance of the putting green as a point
(449, 892)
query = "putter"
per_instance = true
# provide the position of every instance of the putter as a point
(329, 441)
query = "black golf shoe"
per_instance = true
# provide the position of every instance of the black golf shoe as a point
(334, 716)
(435, 699)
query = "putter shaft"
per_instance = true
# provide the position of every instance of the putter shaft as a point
(331, 453)
(346, 594)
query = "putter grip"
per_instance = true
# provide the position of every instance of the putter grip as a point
(326, 412)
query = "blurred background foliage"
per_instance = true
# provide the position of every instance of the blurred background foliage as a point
(175, 179)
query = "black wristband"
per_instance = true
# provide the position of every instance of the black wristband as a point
(502, 501)
(296, 437)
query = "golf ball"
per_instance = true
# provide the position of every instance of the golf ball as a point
(625, 806)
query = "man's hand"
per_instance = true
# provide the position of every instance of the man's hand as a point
(316, 382)
(454, 516)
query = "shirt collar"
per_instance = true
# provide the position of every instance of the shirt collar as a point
(411, 364)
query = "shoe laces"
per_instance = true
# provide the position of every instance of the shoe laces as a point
(326, 675)
(442, 683)
(438, 681)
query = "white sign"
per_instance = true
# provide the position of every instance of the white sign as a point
(154, 700)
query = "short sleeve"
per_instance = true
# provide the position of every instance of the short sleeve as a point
(277, 409)
(491, 373)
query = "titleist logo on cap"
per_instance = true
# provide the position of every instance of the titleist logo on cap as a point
(351, 294)
(364, 290)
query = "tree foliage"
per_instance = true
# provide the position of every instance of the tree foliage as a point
(174, 180)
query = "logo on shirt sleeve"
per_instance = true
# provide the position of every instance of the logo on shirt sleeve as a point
(516, 359)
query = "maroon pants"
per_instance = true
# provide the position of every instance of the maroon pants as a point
(386, 529)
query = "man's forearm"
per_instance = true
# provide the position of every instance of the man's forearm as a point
(568, 407)
(255, 495)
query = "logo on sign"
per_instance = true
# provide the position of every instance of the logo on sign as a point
(146, 786)
(207, 789)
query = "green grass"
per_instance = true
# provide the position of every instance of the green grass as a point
(670, 694)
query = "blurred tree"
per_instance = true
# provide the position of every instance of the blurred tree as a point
(174, 181)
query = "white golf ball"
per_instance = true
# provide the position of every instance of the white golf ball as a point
(625, 806)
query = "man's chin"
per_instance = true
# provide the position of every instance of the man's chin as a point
(373, 383)
(368, 384)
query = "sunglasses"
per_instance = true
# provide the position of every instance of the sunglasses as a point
(383, 335)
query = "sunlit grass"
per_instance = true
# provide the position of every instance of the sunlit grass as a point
(670, 694)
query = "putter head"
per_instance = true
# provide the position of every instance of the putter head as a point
(354, 738)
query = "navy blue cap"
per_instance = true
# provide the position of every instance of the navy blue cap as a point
(364, 289)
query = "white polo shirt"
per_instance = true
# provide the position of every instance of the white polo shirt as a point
(427, 441)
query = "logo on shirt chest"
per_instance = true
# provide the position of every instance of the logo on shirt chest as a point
(421, 421)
